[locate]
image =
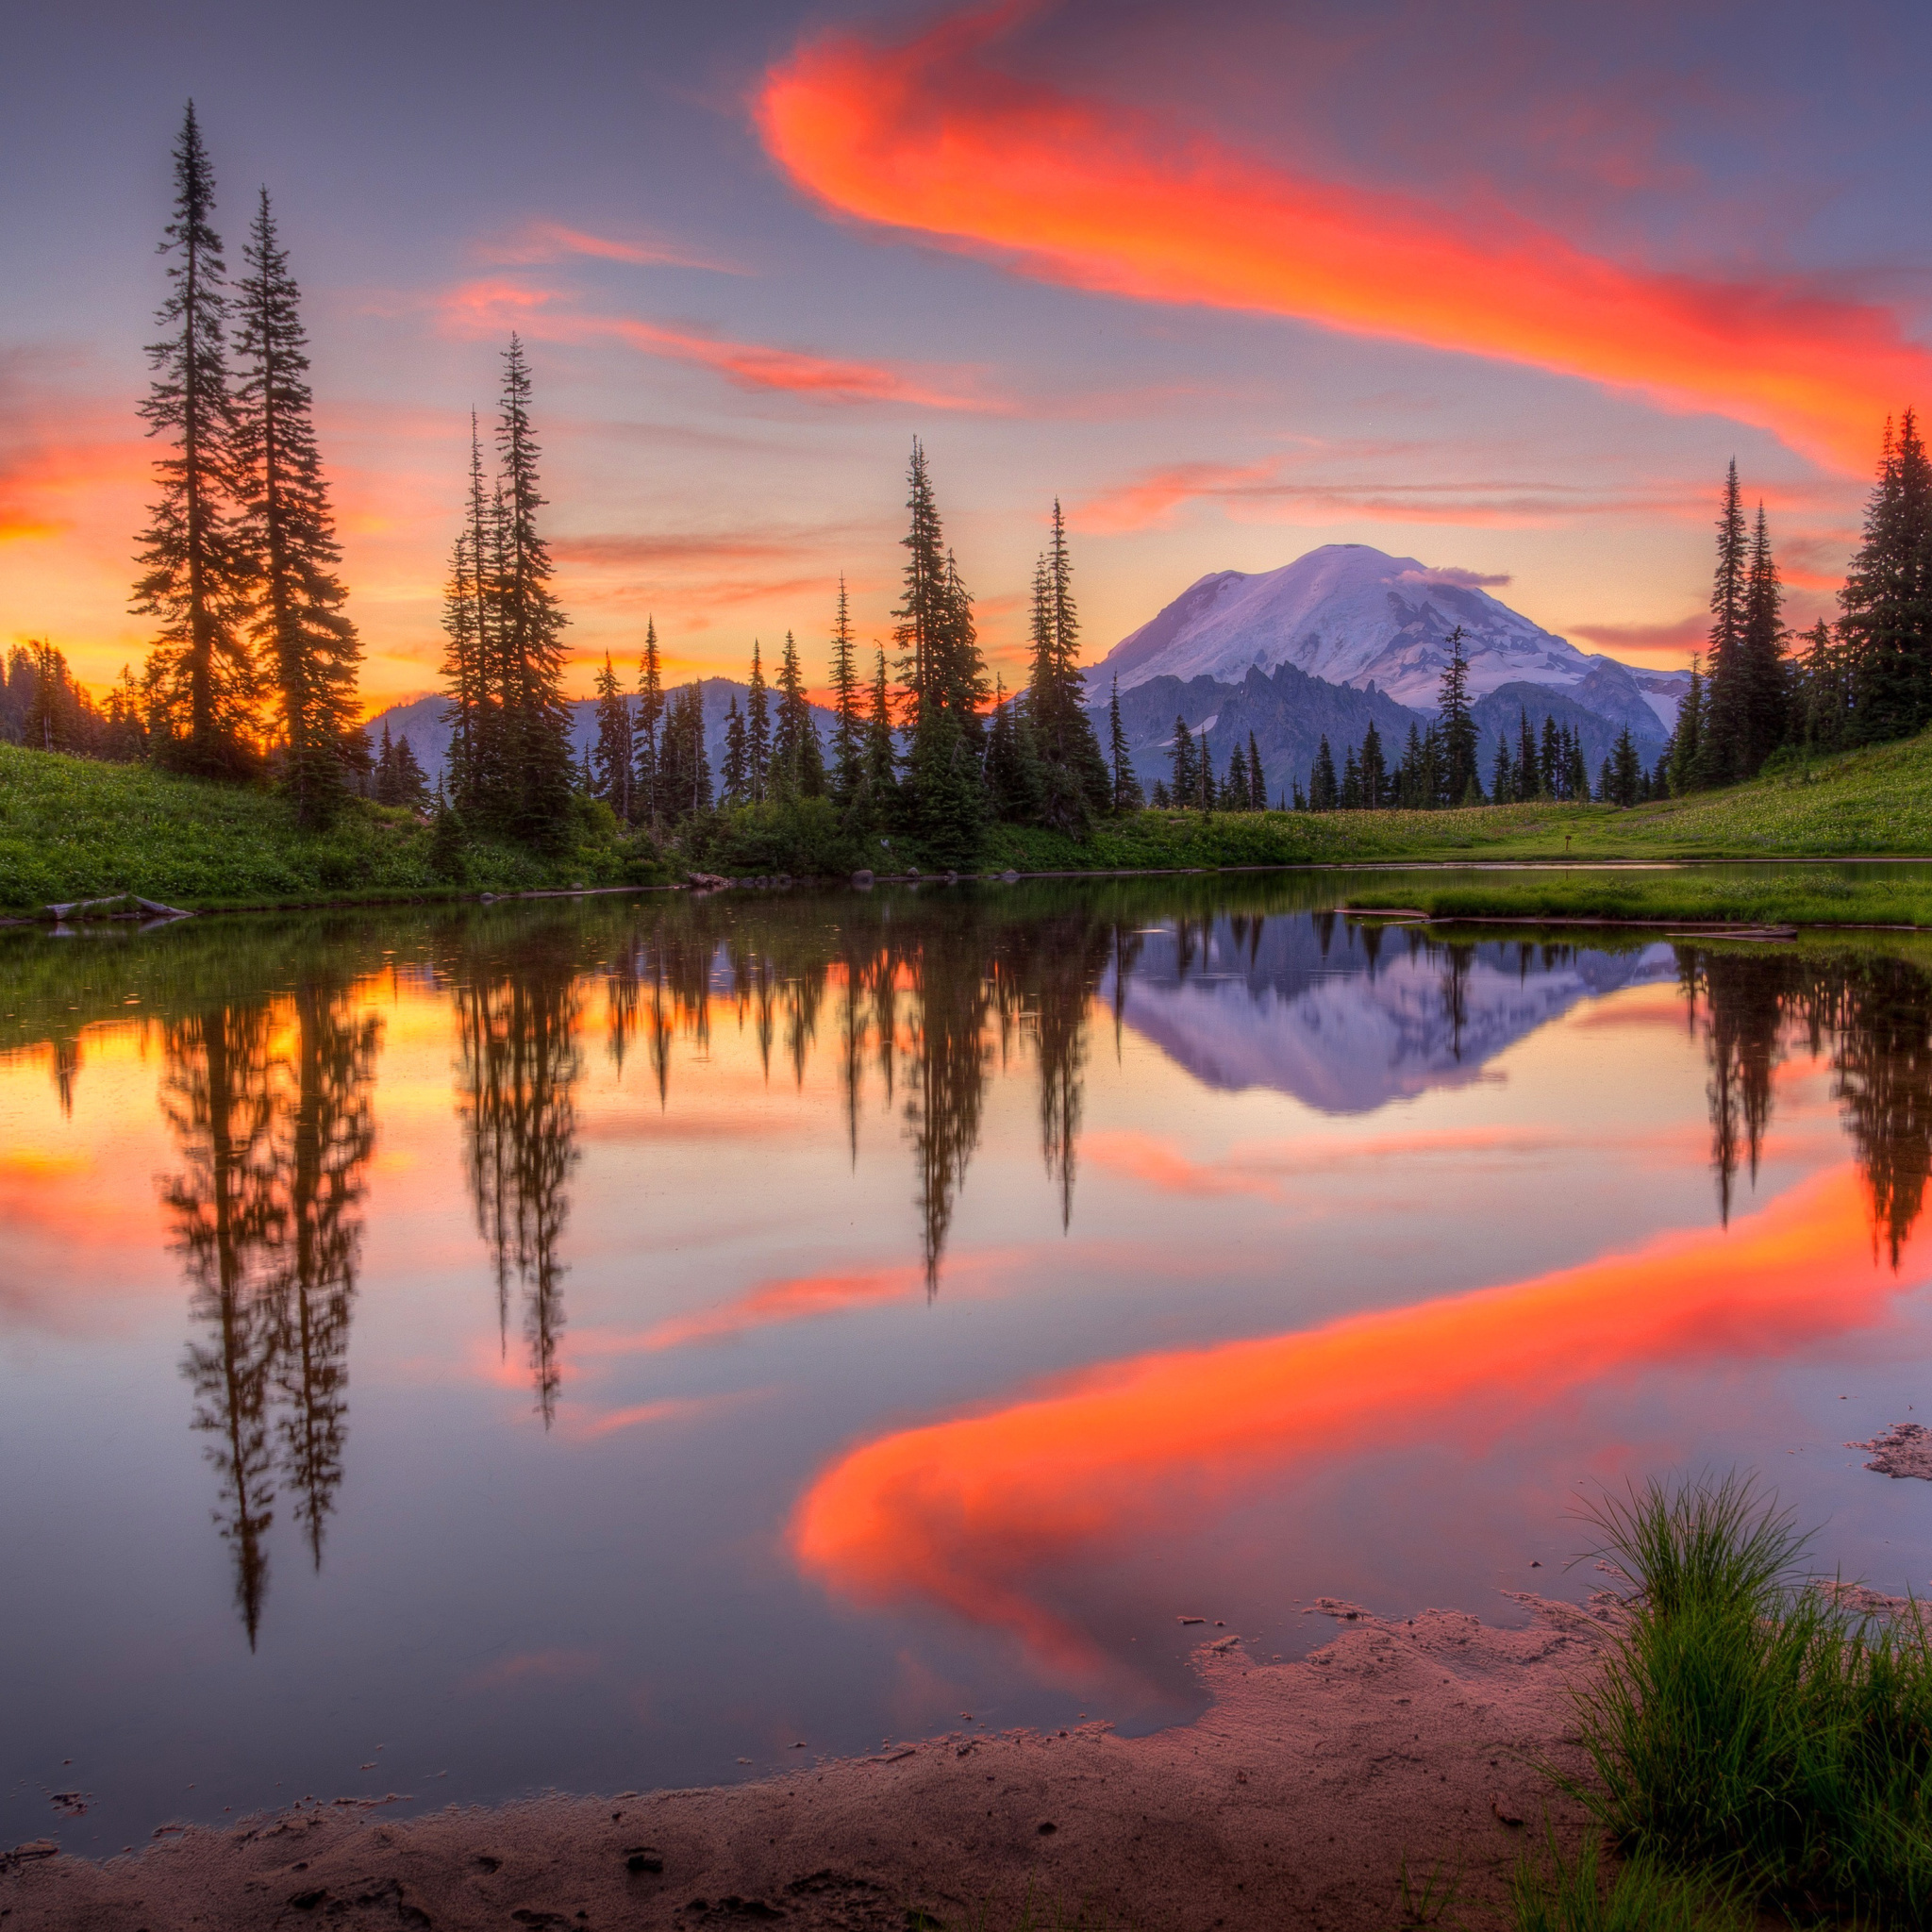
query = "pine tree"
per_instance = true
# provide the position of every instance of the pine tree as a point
(1503, 775)
(1686, 735)
(1016, 780)
(880, 773)
(757, 730)
(1127, 795)
(1886, 600)
(195, 579)
(473, 660)
(1825, 688)
(736, 776)
(649, 723)
(1625, 771)
(538, 767)
(1529, 766)
(1579, 772)
(1723, 730)
(1186, 782)
(1204, 769)
(411, 780)
(1457, 727)
(1078, 781)
(383, 779)
(797, 758)
(1325, 794)
(848, 730)
(684, 768)
(1375, 770)
(922, 615)
(1764, 709)
(1234, 788)
(1549, 765)
(1412, 788)
(462, 669)
(1160, 801)
(286, 530)
(613, 759)
(1258, 782)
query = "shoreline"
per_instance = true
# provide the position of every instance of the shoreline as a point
(1297, 1800)
(20, 918)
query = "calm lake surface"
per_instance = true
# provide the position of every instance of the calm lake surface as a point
(616, 1342)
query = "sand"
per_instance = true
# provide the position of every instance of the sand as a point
(1292, 1801)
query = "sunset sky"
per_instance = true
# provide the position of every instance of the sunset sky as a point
(1497, 286)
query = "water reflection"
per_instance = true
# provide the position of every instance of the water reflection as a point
(916, 1007)
(1871, 1011)
(271, 1108)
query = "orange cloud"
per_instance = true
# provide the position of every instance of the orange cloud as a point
(968, 1514)
(487, 306)
(801, 1299)
(925, 136)
(542, 241)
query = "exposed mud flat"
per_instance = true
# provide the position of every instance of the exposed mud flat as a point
(1905, 1449)
(1292, 1801)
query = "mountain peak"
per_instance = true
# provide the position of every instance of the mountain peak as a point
(1351, 614)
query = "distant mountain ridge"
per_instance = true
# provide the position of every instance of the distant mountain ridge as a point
(1350, 614)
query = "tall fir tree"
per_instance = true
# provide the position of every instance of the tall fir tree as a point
(1204, 770)
(613, 757)
(734, 775)
(1325, 793)
(462, 671)
(1764, 712)
(797, 755)
(1528, 763)
(1456, 725)
(1374, 767)
(649, 724)
(1886, 600)
(537, 715)
(1723, 732)
(757, 729)
(1078, 781)
(286, 530)
(1187, 783)
(848, 725)
(880, 778)
(1257, 779)
(1127, 795)
(1686, 735)
(200, 672)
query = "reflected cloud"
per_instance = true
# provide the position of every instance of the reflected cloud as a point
(977, 1515)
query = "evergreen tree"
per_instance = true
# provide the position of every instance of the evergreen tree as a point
(1234, 791)
(1503, 775)
(1375, 770)
(1825, 689)
(411, 780)
(1127, 795)
(880, 773)
(472, 658)
(195, 576)
(1457, 727)
(382, 786)
(1203, 771)
(1016, 780)
(685, 770)
(1723, 730)
(1579, 772)
(736, 776)
(649, 723)
(797, 757)
(613, 759)
(848, 728)
(538, 773)
(1549, 765)
(462, 668)
(1078, 781)
(757, 730)
(1625, 771)
(1764, 695)
(1686, 747)
(1528, 765)
(1886, 599)
(1351, 781)
(1411, 791)
(1258, 782)
(940, 662)
(1160, 801)
(286, 530)
(1187, 783)
(1325, 794)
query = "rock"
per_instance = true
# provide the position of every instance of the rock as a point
(1011, 878)
(862, 878)
(1903, 1450)
(952, 878)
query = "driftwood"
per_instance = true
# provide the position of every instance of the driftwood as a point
(136, 907)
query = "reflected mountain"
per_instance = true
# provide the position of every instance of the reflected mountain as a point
(1345, 1018)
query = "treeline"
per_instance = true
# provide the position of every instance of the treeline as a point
(1863, 679)
(924, 743)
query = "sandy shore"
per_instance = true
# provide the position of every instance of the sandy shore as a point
(1292, 1803)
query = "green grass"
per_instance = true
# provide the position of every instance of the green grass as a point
(1688, 898)
(72, 828)
(1749, 1729)
(1549, 1893)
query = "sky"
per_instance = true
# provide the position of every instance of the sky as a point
(1500, 287)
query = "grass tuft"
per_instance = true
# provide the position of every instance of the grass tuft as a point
(1549, 1895)
(1749, 1725)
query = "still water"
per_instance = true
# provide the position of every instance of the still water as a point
(607, 1343)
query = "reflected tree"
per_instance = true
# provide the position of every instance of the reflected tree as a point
(518, 1063)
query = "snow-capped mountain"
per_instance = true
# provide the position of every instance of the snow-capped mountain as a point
(1311, 1010)
(1352, 614)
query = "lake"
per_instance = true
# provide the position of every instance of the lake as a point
(622, 1342)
